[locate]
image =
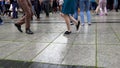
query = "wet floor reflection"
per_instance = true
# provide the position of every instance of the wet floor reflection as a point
(23, 64)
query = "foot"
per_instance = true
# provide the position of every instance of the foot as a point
(28, 31)
(18, 27)
(89, 23)
(67, 32)
(106, 14)
(77, 26)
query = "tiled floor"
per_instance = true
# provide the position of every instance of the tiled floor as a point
(95, 46)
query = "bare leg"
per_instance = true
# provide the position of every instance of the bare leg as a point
(67, 20)
(97, 9)
(74, 20)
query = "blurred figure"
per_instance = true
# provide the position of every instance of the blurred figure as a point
(103, 9)
(2, 6)
(93, 5)
(37, 7)
(46, 4)
(110, 4)
(27, 9)
(54, 6)
(97, 8)
(14, 9)
(66, 14)
(75, 15)
(117, 5)
(60, 4)
(85, 5)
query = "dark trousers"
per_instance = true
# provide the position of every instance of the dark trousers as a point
(27, 9)
(110, 4)
(37, 8)
(15, 13)
(1, 20)
(46, 7)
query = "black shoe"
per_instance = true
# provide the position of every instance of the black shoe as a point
(28, 31)
(77, 26)
(18, 27)
(67, 32)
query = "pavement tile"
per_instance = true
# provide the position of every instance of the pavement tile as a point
(54, 53)
(28, 52)
(81, 55)
(107, 39)
(10, 48)
(108, 56)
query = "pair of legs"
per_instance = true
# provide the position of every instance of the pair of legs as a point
(85, 5)
(27, 9)
(67, 19)
(37, 8)
(103, 9)
(46, 7)
(116, 5)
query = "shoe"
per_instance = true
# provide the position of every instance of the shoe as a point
(106, 14)
(67, 32)
(18, 27)
(89, 23)
(77, 26)
(28, 31)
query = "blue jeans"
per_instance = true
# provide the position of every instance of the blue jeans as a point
(85, 5)
(15, 13)
(76, 14)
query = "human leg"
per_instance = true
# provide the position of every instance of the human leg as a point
(27, 17)
(101, 8)
(87, 5)
(82, 12)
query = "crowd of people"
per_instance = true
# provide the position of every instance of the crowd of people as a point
(70, 9)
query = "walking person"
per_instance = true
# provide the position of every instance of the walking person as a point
(97, 8)
(110, 4)
(66, 11)
(116, 5)
(37, 7)
(15, 8)
(60, 4)
(93, 5)
(27, 9)
(103, 9)
(46, 4)
(85, 5)
(75, 15)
